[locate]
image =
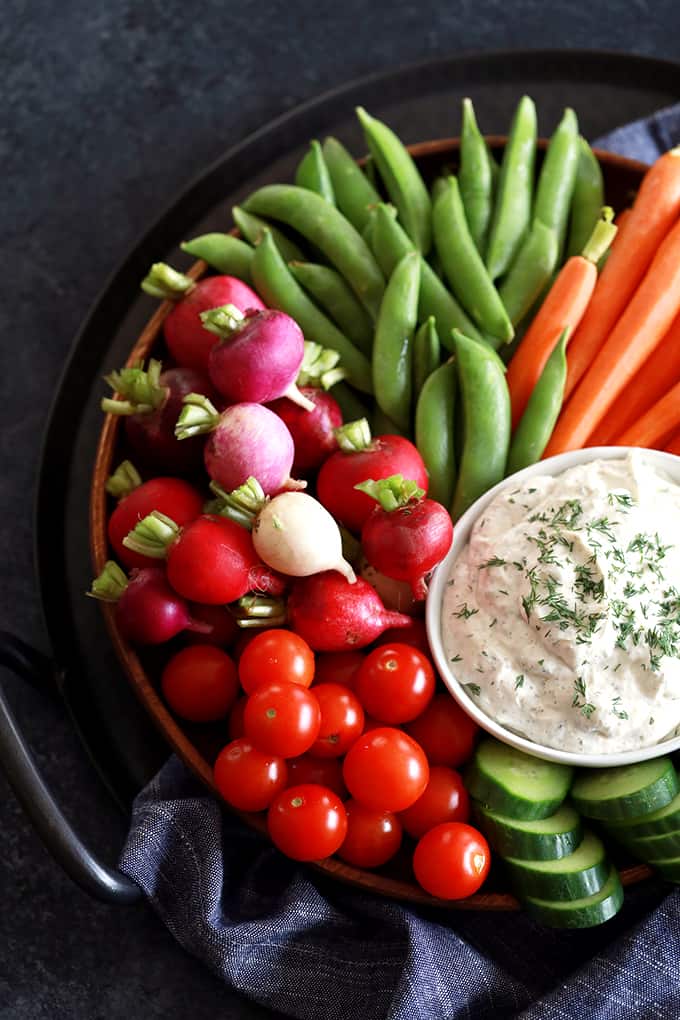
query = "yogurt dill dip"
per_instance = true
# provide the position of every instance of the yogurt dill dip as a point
(561, 617)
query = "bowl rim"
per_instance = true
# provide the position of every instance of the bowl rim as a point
(556, 465)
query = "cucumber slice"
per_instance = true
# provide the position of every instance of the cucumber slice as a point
(669, 868)
(579, 874)
(542, 840)
(666, 819)
(516, 784)
(653, 848)
(628, 791)
(582, 913)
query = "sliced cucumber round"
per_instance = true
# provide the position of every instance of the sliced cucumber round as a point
(579, 874)
(652, 848)
(545, 839)
(586, 912)
(669, 868)
(516, 784)
(628, 791)
(666, 819)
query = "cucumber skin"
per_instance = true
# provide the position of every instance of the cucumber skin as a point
(642, 802)
(589, 916)
(646, 825)
(669, 869)
(558, 888)
(494, 797)
(531, 846)
(652, 848)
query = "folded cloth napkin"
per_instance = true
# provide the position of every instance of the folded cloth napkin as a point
(307, 947)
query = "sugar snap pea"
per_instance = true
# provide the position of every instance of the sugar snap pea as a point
(438, 185)
(530, 271)
(434, 430)
(463, 265)
(354, 193)
(538, 421)
(402, 179)
(382, 424)
(278, 288)
(332, 294)
(224, 252)
(426, 353)
(367, 232)
(351, 405)
(486, 421)
(587, 199)
(475, 177)
(512, 208)
(312, 173)
(392, 345)
(557, 177)
(252, 228)
(326, 227)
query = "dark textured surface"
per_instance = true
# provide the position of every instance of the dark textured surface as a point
(107, 111)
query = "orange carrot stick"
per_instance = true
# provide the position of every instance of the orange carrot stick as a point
(674, 445)
(640, 329)
(657, 375)
(656, 426)
(654, 211)
(561, 310)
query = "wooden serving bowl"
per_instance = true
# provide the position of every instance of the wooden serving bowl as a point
(198, 744)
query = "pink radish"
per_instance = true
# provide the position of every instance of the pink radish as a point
(148, 611)
(333, 615)
(406, 536)
(187, 340)
(247, 440)
(257, 357)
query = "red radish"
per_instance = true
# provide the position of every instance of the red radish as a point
(333, 615)
(148, 611)
(211, 561)
(359, 458)
(187, 340)
(151, 401)
(395, 594)
(247, 440)
(171, 496)
(224, 631)
(415, 635)
(257, 357)
(406, 536)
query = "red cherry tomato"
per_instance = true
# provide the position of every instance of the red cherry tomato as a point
(282, 718)
(385, 769)
(320, 771)
(307, 822)
(276, 655)
(247, 778)
(342, 720)
(452, 860)
(200, 683)
(338, 667)
(224, 626)
(413, 634)
(372, 836)
(445, 732)
(395, 683)
(444, 799)
(235, 724)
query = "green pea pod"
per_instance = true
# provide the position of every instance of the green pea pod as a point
(587, 199)
(332, 294)
(530, 272)
(402, 179)
(557, 177)
(438, 185)
(326, 227)
(253, 227)
(392, 357)
(354, 193)
(312, 173)
(352, 407)
(545, 403)
(435, 430)
(426, 353)
(512, 208)
(391, 243)
(382, 424)
(475, 177)
(278, 288)
(369, 226)
(463, 266)
(486, 421)
(223, 252)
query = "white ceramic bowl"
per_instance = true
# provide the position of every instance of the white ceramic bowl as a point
(666, 462)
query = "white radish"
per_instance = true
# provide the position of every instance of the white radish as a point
(296, 535)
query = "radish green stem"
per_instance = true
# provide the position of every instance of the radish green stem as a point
(164, 282)
(222, 321)
(319, 367)
(197, 416)
(152, 536)
(243, 504)
(124, 480)
(260, 611)
(602, 236)
(140, 389)
(110, 584)
(393, 492)
(354, 436)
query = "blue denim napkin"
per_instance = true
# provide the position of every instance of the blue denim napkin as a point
(307, 947)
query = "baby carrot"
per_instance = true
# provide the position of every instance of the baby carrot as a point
(657, 425)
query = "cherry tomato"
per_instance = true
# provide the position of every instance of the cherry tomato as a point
(395, 683)
(338, 667)
(342, 720)
(224, 626)
(452, 860)
(373, 836)
(320, 771)
(200, 683)
(385, 769)
(247, 778)
(307, 822)
(235, 724)
(444, 799)
(445, 732)
(276, 655)
(282, 718)
(413, 634)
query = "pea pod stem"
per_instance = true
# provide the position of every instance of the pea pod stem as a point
(392, 346)
(354, 193)
(312, 173)
(475, 177)
(223, 252)
(538, 421)
(435, 429)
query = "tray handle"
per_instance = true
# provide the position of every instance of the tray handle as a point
(31, 791)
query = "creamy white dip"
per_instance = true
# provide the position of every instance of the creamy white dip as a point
(561, 617)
